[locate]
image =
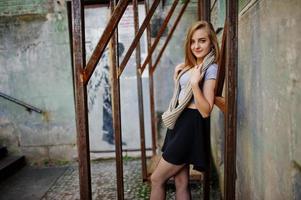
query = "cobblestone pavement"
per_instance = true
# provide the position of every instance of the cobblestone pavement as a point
(103, 178)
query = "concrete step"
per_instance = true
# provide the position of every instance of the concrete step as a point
(3, 152)
(10, 164)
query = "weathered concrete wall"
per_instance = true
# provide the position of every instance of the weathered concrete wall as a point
(35, 68)
(268, 136)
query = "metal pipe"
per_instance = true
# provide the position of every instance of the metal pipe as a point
(204, 10)
(21, 103)
(115, 91)
(81, 107)
(140, 94)
(151, 89)
(123, 150)
(231, 100)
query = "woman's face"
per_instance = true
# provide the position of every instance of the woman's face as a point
(200, 44)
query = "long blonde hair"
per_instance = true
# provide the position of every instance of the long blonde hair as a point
(190, 59)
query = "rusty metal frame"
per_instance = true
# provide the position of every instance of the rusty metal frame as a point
(140, 94)
(151, 89)
(204, 10)
(221, 63)
(169, 35)
(228, 104)
(231, 100)
(204, 14)
(116, 114)
(81, 108)
(82, 75)
(160, 33)
(103, 41)
(138, 36)
(219, 101)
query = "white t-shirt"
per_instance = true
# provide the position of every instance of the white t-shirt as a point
(210, 73)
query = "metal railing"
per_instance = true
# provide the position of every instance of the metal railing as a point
(28, 107)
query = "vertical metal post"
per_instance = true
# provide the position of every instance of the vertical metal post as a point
(204, 10)
(204, 14)
(151, 88)
(152, 109)
(140, 93)
(231, 100)
(221, 65)
(200, 9)
(116, 110)
(81, 99)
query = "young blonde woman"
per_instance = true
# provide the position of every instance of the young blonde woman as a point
(187, 115)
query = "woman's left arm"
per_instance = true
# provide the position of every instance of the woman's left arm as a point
(204, 100)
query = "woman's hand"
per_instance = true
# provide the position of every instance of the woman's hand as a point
(196, 75)
(178, 70)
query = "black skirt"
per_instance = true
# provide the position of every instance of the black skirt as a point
(188, 142)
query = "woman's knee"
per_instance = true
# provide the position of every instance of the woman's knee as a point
(157, 180)
(181, 182)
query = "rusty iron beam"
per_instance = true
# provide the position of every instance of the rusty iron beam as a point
(204, 10)
(116, 114)
(153, 113)
(160, 33)
(138, 36)
(199, 9)
(221, 65)
(169, 36)
(103, 41)
(231, 100)
(123, 150)
(81, 107)
(219, 100)
(204, 14)
(151, 90)
(140, 94)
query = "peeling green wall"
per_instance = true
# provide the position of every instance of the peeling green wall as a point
(36, 68)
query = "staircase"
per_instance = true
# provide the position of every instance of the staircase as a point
(9, 164)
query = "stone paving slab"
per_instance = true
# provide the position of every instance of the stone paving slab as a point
(30, 183)
(103, 178)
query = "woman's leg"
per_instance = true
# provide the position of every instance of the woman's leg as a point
(182, 184)
(162, 173)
